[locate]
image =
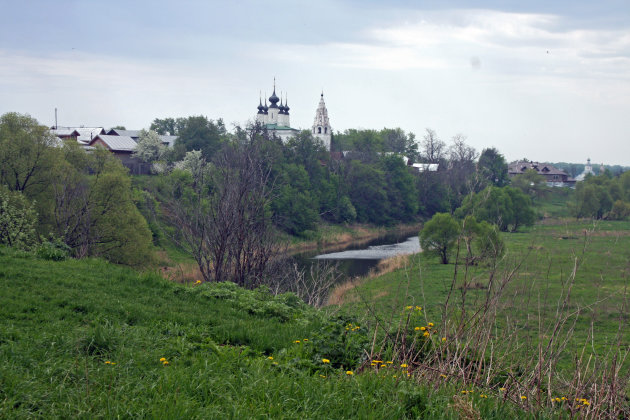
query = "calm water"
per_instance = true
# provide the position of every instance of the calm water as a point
(358, 260)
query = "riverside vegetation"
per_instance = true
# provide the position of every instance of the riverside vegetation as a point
(514, 319)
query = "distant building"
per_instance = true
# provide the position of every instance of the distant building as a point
(276, 119)
(321, 125)
(588, 170)
(554, 176)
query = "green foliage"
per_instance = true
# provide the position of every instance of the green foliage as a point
(493, 168)
(602, 196)
(17, 220)
(482, 240)
(531, 183)
(54, 249)
(367, 191)
(506, 207)
(439, 235)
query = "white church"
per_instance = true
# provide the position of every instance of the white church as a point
(276, 119)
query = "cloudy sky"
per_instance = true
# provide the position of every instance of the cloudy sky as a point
(546, 80)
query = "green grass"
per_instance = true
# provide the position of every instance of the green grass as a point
(546, 254)
(83, 339)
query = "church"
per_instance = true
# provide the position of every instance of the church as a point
(276, 119)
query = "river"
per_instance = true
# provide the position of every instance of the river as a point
(356, 260)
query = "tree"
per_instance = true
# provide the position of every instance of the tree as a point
(150, 148)
(432, 149)
(26, 153)
(439, 235)
(461, 173)
(506, 207)
(397, 141)
(367, 192)
(493, 168)
(531, 183)
(17, 219)
(482, 240)
(164, 126)
(402, 195)
(223, 219)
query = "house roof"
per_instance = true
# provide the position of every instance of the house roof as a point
(168, 140)
(128, 133)
(116, 143)
(516, 168)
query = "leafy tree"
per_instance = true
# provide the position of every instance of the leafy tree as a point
(402, 195)
(196, 133)
(507, 207)
(26, 153)
(367, 191)
(17, 219)
(150, 148)
(461, 173)
(493, 168)
(294, 207)
(482, 240)
(164, 126)
(397, 141)
(439, 235)
(531, 183)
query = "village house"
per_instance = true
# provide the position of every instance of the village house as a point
(554, 176)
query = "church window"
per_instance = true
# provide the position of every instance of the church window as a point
(325, 130)
(319, 130)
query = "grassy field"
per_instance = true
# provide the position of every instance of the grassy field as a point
(566, 289)
(87, 339)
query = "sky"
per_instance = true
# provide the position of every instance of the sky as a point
(543, 80)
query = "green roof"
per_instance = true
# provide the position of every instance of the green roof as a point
(279, 127)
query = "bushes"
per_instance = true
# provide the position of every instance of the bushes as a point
(17, 219)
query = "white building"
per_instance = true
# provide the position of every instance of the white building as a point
(321, 125)
(276, 119)
(588, 170)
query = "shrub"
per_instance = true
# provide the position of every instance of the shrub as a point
(17, 220)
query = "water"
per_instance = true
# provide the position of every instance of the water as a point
(357, 260)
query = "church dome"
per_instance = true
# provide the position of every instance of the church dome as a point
(274, 99)
(261, 108)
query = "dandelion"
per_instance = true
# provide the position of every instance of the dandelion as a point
(483, 396)
(423, 328)
(501, 389)
(274, 363)
(394, 376)
(162, 359)
(409, 308)
(349, 372)
(404, 365)
(431, 324)
(443, 375)
(165, 362)
(198, 282)
(426, 334)
(418, 308)
(389, 362)
(107, 362)
(322, 376)
(270, 357)
(417, 328)
(305, 340)
(297, 341)
(377, 361)
(523, 397)
(443, 339)
(325, 361)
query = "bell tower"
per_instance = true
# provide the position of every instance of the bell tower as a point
(321, 126)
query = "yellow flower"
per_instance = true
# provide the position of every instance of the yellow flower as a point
(107, 362)
(404, 365)
(443, 339)
(443, 375)
(325, 361)
(483, 396)
(162, 359)
(523, 397)
(423, 328)
(297, 341)
(418, 308)
(322, 376)
(306, 339)
(349, 372)
(426, 334)
(270, 357)
(431, 324)
(198, 282)
(417, 328)
(377, 361)
(165, 362)
(409, 307)
(274, 363)
(501, 389)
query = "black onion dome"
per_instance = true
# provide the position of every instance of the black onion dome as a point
(273, 99)
(286, 106)
(261, 108)
(282, 108)
(265, 107)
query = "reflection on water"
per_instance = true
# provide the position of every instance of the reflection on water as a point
(376, 252)
(358, 260)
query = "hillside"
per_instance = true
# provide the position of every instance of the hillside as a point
(87, 339)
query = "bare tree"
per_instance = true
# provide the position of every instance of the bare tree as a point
(433, 149)
(222, 216)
